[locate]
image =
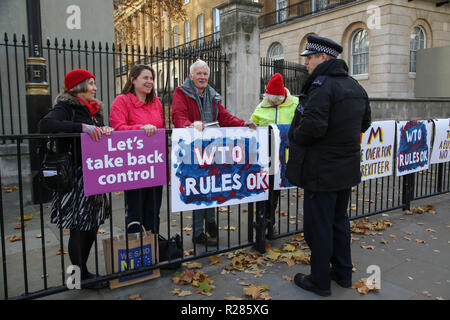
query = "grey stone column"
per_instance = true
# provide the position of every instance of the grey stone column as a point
(239, 35)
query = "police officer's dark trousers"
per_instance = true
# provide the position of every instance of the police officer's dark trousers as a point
(327, 233)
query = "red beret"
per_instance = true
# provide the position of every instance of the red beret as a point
(76, 76)
(276, 86)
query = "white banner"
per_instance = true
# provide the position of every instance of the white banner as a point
(441, 144)
(377, 150)
(218, 167)
(413, 146)
(280, 155)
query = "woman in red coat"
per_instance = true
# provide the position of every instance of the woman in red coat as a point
(138, 108)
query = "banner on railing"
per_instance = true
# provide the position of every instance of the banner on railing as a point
(377, 150)
(218, 167)
(124, 160)
(280, 156)
(413, 146)
(441, 144)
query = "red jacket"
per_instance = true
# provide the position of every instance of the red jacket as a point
(185, 111)
(129, 113)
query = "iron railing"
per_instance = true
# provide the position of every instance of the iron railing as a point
(294, 74)
(299, 9)
(109, 63)
(32, 268)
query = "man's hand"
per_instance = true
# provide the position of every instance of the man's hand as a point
(106, 130)
(149, 129)
(249, 123)
(199, 125)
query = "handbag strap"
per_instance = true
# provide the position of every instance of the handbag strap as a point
(138, 223)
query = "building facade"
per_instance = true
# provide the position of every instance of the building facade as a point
(380, 38)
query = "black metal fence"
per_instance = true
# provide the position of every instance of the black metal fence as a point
(34, 250)
(294, 74)
(110, 65)
(298, 10)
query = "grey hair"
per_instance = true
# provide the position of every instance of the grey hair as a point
(274, 99)
(198, 64)
(80, 87)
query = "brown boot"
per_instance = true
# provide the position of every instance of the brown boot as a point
(203, 239)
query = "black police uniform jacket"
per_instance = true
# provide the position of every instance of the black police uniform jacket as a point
(324, 137)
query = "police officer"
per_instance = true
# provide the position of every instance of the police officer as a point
(324, 159)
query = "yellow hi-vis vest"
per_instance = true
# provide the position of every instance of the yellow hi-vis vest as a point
(266, 114)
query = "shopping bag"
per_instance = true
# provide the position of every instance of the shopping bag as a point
(137, 257)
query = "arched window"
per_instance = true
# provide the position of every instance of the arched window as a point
(418, 41)
(275, 51)
(360, 52)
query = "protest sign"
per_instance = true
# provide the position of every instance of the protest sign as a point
(218, 167)
(413, 146)
(441, 145)
(122, 161)
(280, 156)
(377, 150)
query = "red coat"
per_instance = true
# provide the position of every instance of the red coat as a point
(185, 111)
(129, 113)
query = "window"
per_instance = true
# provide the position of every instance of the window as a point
(275, 51)
(318, 5)
(187, 32)
(200, 28)
(216, 24)
(176, 41)
(417, 42)
(360, 52)
(282, 13)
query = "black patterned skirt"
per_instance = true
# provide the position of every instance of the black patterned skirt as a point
(73, 210)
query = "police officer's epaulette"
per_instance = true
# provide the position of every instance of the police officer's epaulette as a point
(320, 80)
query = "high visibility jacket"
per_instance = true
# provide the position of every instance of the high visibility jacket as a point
(265, 114)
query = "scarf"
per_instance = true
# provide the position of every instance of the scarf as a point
(205, 104)
(92, 106)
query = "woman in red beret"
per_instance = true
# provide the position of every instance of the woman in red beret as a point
(138, 108)
(76, 110)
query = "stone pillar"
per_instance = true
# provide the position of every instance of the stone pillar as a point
(239, 36)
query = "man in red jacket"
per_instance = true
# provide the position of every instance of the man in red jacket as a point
(194, 104)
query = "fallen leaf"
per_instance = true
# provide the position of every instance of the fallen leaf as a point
(215, 260)
(430, 230)
(184, 293)
(383, 241)
(420, 241)
(244, 283)
(15, 238)
(392, 236)
(287, 278)
(192, 265)
(19, 226)
(271, 254)
(9, 189)
(59, 252)
(39, 236)
(426, 293)
(189, 252)
(187, 229)
(229, 228)
(136, 296)
(253, 291)
(368, 247)
(407, 238)
(289, 248)
(204, 286)
(25, 218)
(233, 298)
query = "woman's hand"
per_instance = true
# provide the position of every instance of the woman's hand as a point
(199, 125)
(94, 132)
(149, 129)
(107, 130)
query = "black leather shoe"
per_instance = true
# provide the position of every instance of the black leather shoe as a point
(211, 228)
(304, 282)
(343, 283)
(203, 239)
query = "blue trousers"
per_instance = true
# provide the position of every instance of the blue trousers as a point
(143, 205)
(327, 232)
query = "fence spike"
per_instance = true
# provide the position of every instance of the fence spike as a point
(6, 37)
(14, 38)
(64, 42)
(93, 46)
(86, 46)
(24, 40)
(79, 44)
(71, 44)
(99, 46)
